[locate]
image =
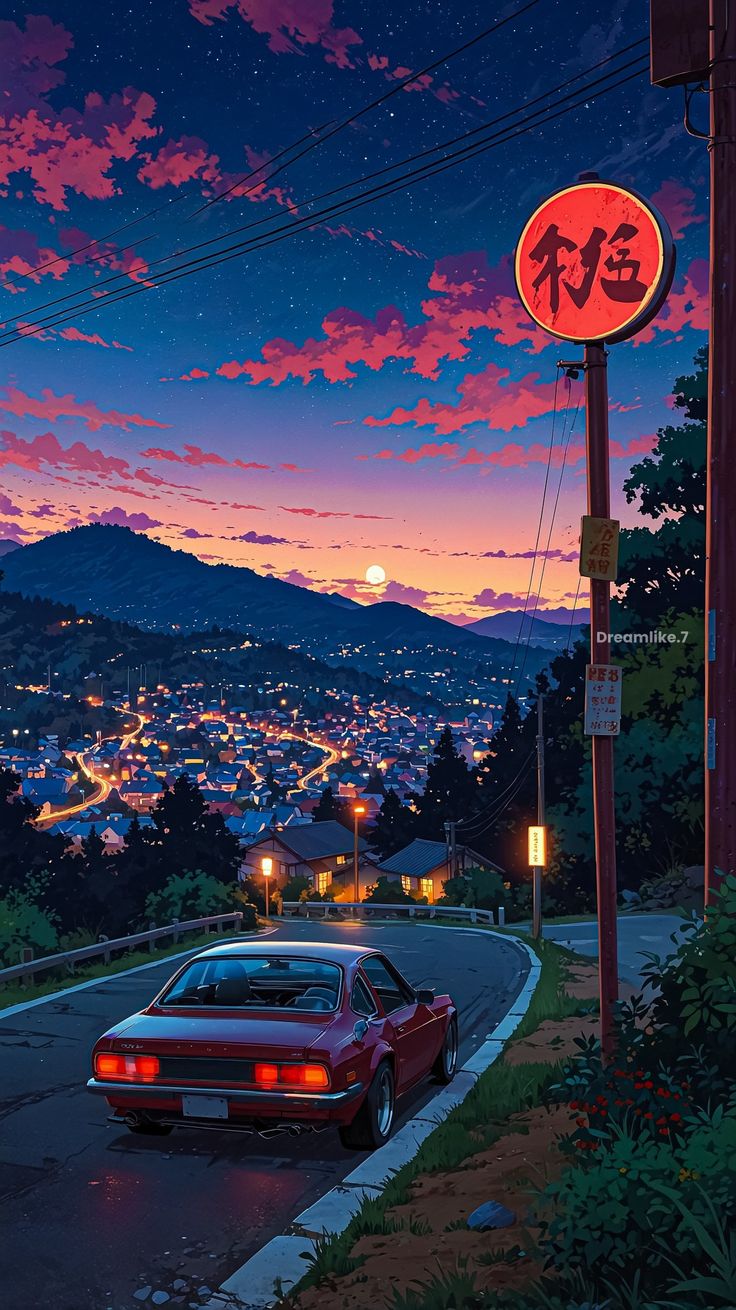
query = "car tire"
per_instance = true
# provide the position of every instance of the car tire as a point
(445, 1066)
(374, 1121)
(150, 1129)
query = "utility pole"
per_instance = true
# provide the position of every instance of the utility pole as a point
(450, 826)
(720, 542)
(604, 816)
(537, 870)
(691, 43)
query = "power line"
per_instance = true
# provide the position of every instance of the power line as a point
(551, 527)
(309, 221)
(366, 109)
(539, 523)
(572, 617)
(501, 809)
(478, 820)
(146, 267)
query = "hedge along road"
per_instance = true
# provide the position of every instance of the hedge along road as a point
(92, 1215)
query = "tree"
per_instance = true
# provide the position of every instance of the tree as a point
(190, 895)
(479, 888)
(329, 807)
(187, 837)
(388, 891)
(24, 848)
(451, 792)
(394, 827)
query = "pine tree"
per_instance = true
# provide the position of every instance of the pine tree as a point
(187, 837)
(451, 793)
(329, 807)
(394, 828)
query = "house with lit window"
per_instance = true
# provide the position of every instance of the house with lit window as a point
(423, 866)
(317, 851)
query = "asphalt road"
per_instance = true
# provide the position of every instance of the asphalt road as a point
(91, 1214)
(638, 935)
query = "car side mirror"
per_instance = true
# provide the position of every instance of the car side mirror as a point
(425, 996)
(360, 1030)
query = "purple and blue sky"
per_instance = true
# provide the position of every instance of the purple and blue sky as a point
(369, 391)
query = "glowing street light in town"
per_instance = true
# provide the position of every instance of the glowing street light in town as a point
(267, 868)
(358, 812)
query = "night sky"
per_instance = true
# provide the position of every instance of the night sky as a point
(366, 393)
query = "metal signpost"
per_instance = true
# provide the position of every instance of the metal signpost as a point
(593, 265)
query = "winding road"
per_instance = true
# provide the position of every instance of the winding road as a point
(92, 1215)
(102, 784)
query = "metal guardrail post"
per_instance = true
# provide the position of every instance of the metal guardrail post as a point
(151, 940)
(502, 916)
(176, 934)
(26, 957)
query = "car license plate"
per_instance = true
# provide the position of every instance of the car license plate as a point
(204, 1107)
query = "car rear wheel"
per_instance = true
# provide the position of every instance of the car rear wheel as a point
(372, 1125)
(445, 1066)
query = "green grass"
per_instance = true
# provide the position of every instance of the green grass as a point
(482, 1118)
(14, 993)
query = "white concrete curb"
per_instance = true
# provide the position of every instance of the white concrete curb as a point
(282, 1260)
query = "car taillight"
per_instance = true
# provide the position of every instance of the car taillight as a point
(291, 1075)
(126, 1068)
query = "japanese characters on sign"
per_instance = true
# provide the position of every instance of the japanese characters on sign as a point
(598, 548)
(594, 263)
(537, 846)
(602, 700)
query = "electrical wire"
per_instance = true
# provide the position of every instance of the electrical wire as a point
(572, 617)
(366, 109)
(477, 819)
(565, 446)
(309, 221)
(502, 809)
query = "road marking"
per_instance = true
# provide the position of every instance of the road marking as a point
(283, 1258)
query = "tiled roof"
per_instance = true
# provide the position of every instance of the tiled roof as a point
(417, 859)
(317, 841)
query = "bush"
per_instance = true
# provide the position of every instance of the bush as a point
(483, 889)
(387, 891)
(24, 923)
(194, 895)
(651, 1196)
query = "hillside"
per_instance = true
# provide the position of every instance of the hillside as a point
(538, 630)
(38, 634)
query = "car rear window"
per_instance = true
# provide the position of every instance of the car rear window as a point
(255, 982)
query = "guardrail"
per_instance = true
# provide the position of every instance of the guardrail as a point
(365, 909)
(29, 967)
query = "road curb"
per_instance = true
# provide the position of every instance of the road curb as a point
(282, 1260)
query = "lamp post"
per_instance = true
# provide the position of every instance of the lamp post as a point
(358, 811)
(267, 868)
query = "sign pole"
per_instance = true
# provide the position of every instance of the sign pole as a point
(537, 869)
(604, 817)
(720, 547)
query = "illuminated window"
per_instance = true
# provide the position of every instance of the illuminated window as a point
(405, 883)
(426, 888)
(342, 859)
(322, 881)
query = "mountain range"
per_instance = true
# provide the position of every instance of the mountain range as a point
(126, 575)
(515, 625)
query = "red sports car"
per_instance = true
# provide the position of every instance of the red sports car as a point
(280, 1037)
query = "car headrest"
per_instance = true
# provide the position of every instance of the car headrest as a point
(315, 1003)
(232, 991)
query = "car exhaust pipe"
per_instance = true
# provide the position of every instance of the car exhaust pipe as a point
(131, 1119)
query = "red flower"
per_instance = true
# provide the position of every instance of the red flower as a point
(675, 1118)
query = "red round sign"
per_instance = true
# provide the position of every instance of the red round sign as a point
(594, 263)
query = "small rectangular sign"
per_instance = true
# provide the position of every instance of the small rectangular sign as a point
(598, 548)
(603, 684)
(538, 846)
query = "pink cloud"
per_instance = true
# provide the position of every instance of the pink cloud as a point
(262, 539)
(120, 518)
(490, 599)
(194, 375)
(677, 204)
(47, 450)
(8, 507)
(429, 450)
(20, 256)
(198, 458)
(62, 149)
(94, 339)
(489, 397)
(403, 595)
(290, 25)
(328, 513)
(468, 295)
(52, 407)
(687, 306)
(298, 579)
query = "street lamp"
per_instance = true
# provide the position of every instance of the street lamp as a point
(267, 867)
(358, 811)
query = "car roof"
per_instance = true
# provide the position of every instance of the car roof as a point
(330, 952)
